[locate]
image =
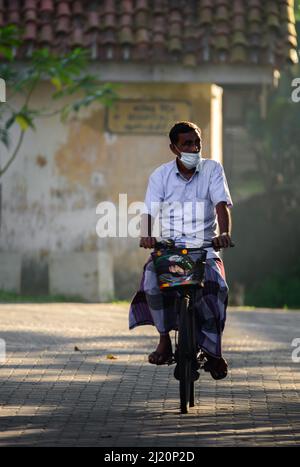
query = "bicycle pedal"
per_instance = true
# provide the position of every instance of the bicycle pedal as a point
(171, 361)
(200, 356)
(199, 362)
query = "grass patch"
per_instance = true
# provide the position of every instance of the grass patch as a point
(13, 297)
(120, 302)
(243, 308)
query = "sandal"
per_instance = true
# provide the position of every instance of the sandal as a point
(157, 358)
(216, 366)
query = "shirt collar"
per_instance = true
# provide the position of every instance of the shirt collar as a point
(177, 170)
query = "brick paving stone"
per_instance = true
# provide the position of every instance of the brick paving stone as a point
(51, 395)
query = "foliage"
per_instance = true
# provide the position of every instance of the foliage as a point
(297, 10)
(9, 39)
(276, 138)
(277, 290)
(265, 260)
(267, 226)
(67, 75)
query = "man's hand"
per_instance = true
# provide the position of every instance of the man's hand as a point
(222, 241)
(147, 242)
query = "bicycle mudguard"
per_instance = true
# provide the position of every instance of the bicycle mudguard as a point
(175, 268)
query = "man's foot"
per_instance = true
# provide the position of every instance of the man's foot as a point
(217, 367)
(163, 353)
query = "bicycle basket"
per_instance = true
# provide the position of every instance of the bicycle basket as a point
(176, 268)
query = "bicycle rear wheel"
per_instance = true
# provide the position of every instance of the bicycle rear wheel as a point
(185, 355)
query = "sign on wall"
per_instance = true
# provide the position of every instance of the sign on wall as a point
(146, 117)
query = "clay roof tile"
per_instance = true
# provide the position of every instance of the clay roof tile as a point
(170, 30)
(63, 9)
(30, 32)
(93, 20)
(30, 4)
(47, 5)
(78, 8)
(46, 34)
(126, 7)
(63, 25)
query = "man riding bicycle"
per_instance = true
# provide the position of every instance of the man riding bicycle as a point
(189, 179)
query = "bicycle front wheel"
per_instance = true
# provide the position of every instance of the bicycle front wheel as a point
(185, 355)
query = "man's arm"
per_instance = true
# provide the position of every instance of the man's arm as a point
(147, 241)
(220, 196)
(225, 225)
(154, 195)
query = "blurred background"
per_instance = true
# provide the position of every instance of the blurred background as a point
(261, 159)
(92, 89)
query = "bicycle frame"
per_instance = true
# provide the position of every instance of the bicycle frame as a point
(185, 290)
(186, 349)
(186, 356)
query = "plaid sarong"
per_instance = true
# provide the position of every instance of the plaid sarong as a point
(150, 306)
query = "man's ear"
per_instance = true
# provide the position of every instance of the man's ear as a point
(174, 151)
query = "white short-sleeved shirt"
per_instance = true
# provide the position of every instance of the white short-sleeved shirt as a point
(186, 208)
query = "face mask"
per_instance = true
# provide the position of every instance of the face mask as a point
(190, 159)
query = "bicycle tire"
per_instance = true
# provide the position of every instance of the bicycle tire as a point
(185, 353)
(193, 346)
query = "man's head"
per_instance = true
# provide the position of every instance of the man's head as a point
(185, 137)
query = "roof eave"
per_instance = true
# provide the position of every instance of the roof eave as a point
(176, 73)
(134, 72)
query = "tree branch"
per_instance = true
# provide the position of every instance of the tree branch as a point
(14, 154)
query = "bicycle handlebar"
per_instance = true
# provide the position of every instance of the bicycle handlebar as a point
(170, 244)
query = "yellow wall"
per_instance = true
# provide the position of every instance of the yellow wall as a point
(127, 160)
(51, 191)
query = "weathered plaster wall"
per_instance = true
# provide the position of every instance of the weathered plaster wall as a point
(50, 193)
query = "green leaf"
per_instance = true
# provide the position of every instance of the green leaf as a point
(57, 83)
(4, 137)
(7, 52)
(24, 120)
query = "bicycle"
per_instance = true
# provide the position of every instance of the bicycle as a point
(178, 272)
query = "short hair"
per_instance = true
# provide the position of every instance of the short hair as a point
(182, 127)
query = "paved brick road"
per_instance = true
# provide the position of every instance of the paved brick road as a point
(53, 395)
